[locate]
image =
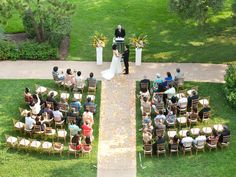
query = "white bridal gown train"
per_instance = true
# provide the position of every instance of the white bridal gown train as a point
(115, 67)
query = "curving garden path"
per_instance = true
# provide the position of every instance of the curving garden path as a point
(117, 132)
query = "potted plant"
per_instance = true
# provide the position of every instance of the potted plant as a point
(138, 41)
(99, 41)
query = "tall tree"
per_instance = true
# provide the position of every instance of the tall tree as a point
(198, 10)
(42, 13)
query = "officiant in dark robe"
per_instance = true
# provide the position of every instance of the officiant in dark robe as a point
(119, 32)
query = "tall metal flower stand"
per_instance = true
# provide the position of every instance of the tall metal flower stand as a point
(138, 56)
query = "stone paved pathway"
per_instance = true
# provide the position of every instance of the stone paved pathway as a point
(117, 134)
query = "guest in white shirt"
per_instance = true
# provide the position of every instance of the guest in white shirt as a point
(58, 116)
(170, 92)
(35, 106)
(200, 138)
(186, 140)
(80, 82)
(29, 121)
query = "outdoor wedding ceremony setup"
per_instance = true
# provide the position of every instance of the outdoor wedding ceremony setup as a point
(117, 88)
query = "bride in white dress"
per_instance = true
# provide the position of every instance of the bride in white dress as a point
(115, 67)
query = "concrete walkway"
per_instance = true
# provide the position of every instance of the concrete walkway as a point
(42, 70)
(117, 132)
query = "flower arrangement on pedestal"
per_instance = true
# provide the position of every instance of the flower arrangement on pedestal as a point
(138, 41)
(99, 40)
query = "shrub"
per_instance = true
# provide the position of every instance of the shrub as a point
(29, 50)
(234, 12)
(230, 85)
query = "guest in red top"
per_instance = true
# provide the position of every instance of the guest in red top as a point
(27, 96)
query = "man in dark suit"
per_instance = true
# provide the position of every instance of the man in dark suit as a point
(119, 32)
(145, 81)
(126, 59)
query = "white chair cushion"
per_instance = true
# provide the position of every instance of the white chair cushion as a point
(183, 133)
(218, 127)
(78, 96)
(171, 134)
(182, 120)
(19, 125)
(204, 101)
(207, 130)
(35, 144)
(65, 95)
(41, 89)
(46, 145)
(195, 131)
(12, 140)
(61, 133)
(24, 142)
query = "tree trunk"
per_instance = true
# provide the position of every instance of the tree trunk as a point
(35, 26)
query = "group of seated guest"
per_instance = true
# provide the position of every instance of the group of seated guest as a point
(72, 80)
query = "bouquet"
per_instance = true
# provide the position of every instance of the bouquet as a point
(138, 41)
(99, 40)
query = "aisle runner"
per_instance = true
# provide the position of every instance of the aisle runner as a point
(117, 136)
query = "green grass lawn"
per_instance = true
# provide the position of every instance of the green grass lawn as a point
(216, 163)
(20, 163)
(170, 39)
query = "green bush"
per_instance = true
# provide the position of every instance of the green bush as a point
(28, 25)
(234, 12)
(29, 50)
(230, 85)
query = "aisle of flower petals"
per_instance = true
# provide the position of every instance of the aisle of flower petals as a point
(117, 134)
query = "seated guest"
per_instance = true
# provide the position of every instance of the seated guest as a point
(146, 94)
(87, 129)
(29, 121)
(225, 132)
(147, 137)
(178, 75)
(47, 109)
(186, 140)
(75, 114)
(158, 81)
(39, 121)
(168, 79)
(145, 81)
(200, 138)
(146, 106)
(182, 102)
(170, 92)
(160, 116)
(58, 116)
(205, 109)
(159, 125)
(171, 117)
(75, 104)
(51, 98)
(35, 106)
(89, 103)
(80, 82)
(193, 115)
(157, 102)
(175, 140)
(146, 120)
(213, 139)
(159, 140)
(91, 80)
(56, 75)
(74, 129)
(76, 142)
(27, 96)
(191, 97)
(70, 78)
(88, 117)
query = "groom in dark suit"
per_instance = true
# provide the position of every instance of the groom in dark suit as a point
(119, 32)
(126, 59)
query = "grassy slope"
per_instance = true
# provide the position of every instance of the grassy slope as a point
(170, 39)
(17, 163)
(206, 164)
